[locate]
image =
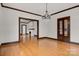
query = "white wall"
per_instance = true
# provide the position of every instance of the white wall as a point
(10, 18)
(74, 19)
(1, 27)
(9, 24)
(47, 28)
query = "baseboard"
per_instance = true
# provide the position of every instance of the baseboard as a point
(47, 38)
(35, 35)
(74, 43)
(10, 43)
(58, 40)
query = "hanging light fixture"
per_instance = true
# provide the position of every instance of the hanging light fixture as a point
(46, 15)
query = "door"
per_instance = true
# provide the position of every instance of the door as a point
(24, 29)
(23, 36)
(63, 29)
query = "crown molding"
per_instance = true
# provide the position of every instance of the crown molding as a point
(19, 10)
(38, 14)
(64, 10)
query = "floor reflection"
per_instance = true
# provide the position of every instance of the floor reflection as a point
(41, 47)
(26, 40)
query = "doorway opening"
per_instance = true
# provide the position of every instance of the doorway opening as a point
(63, 29)
(28, 29)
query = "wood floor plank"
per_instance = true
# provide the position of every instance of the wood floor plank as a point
(43, 47)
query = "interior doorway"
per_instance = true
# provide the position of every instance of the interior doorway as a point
(63, 29)
(28, 29)
(23, 32)
(24, 29)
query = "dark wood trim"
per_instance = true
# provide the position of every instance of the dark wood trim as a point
(27, 19)
(35, 35)
(38, 14)
(19, 30)
(10, 43)
(64, 17)
(19, 10)
(30, 20)
(25, 22)
(58, 25)
(38, 29)
(40, 38)
(47, 38)
(58, 40)
(64, 10)
(74, 43)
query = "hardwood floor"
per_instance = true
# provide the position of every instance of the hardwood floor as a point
(42, 47)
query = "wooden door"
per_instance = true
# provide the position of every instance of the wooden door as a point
(63, 29)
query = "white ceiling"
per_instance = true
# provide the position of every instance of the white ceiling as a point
(39, 8)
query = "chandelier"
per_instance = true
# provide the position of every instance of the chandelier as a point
(46, 15)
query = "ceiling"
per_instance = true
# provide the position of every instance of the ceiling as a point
(39, 8)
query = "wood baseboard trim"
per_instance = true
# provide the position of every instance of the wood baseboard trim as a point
(39, 38)
(58, 40)
(10, 43)
(47, 38)
(35, 35)
(74, 43)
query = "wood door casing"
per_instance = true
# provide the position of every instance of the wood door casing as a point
(63, 29)
(22, 18)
